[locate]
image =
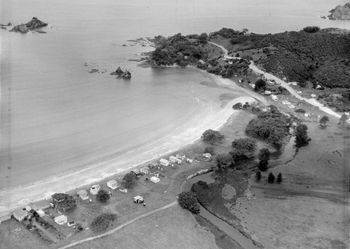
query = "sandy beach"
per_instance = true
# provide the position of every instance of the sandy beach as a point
(210, 118)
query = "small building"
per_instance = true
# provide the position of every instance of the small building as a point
(113, 184)
(189, 160)
(41, 205)
(83, 194)
(40, 212)
(94, 189)
(20, 214)
(138, 199)
(267, 92)
(274, 97)
(174, 159)
(164, 162)
(154, 179)
(144, 170)
(207, 156)
(313, 95)
(61, 219)
(4, 218)
(181, 157)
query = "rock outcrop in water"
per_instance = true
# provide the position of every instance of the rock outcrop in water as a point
(122, 74)
(33, 24)
(340, 12)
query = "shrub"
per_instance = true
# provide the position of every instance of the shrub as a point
(102, 222)
(264, 154)
(103, 196)
(188, 200)
(271, 178)
(244, 145)
(211, 136)
(129, 180)
(237, 106)
(323, 121)
(260, 84)
(279, 178)
(311, 29)
(64, 202)
(300, 111)
(263, 165)
(301, 136)
(258, 176)
(224, 161)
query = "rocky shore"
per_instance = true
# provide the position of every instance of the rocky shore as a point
(33, 24)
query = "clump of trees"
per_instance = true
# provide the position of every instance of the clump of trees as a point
(311, 29)
(272, 127)
(323, 121)
(279, 178)
(129, 180)
(237, 106)
(260, 84)
(212, 136)
(243, 148)
(64, 202)
(224, 161)
(102, 222)
(103, 196)
(271, 178)
(188, 200)
(264, 157)
(258, 176)
(301, 136)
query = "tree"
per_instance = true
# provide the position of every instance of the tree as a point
(188, 200)
(244, 145)
(271, 178)
(279, 178)
(212, 137)
(323, 121)
(203, 38)
(224, 161)
(263, 165)
(260, 84)
(258, 176)
(264, 154)
(343, 119)
(102, 222)
(64, 202)
(301, 137)
(103, 196)
(129, 180)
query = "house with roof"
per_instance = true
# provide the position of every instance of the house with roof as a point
(174, 159)
(83, 194)
(113, 184)
(20, 214)
(164, 162)
(94, 189)
(61, 219)
(138, 199)
(154, 179)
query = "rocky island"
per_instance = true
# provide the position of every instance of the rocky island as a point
(33, 24)
(340, 12)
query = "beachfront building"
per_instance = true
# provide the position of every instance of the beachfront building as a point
(164, 162)
(61, 219)
(83, 194)
(20, 214)
(94, 189)
(154, 179)
(174, 159)
(144, 170)
(41, 205)
(113, 184)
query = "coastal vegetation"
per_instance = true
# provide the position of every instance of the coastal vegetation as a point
(103, 196)
(301, 136)
(271, 126)
(212, 136)
(188, 200)
(323, 121)
(102, 222)
(64, 202)
(129, 180)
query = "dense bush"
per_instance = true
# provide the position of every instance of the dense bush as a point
(237, 106)
(224, 161)
(212, 137)
(264, 154)
(129, 180)
(102, 222)
(244, 145)
(301, 136)
(64, 202)
(271, 126)
(271, 178)
(260, 84)
(188, 200)
(263, 165)
(311, 29)
(323, 121)
(103, 196)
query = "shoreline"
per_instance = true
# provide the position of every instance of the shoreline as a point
(42, 189)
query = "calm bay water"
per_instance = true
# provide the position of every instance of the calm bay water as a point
(57, 117)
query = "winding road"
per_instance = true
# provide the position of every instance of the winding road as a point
(283, 83)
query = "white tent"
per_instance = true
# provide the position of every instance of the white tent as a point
(154, 179)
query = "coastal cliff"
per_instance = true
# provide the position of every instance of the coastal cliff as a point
(340, 12)
(33, 24)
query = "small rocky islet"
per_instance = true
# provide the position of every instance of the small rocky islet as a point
(341, 12)
(126, 75)
(33, 25)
